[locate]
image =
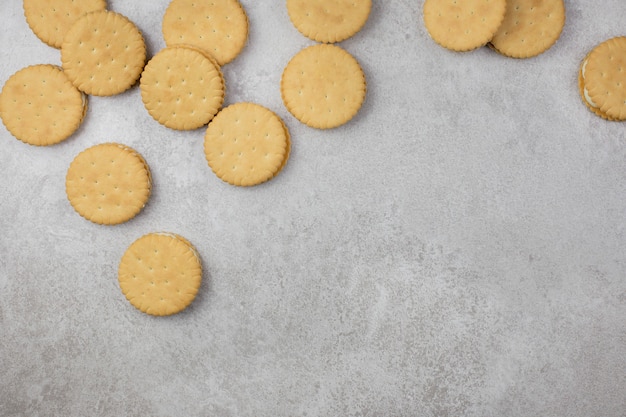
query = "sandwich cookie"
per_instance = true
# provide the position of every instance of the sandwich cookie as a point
(160, 274)
(108, 183)
(602, 79)
(182, 87)
(246, 144)
(323, 86)
(103, 53)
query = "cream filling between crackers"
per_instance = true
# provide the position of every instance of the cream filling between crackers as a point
(585, 92)
(84, 97)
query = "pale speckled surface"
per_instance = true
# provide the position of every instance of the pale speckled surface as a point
(455, 250)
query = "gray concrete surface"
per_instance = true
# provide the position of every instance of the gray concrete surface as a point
(458, 249)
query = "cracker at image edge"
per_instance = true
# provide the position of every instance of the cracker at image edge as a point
(108, 184)
(529, 28)
(182, 88)
(605, 77)
(329, 21)
(463, 25)
(50, 20)
(160, 274)
(40, 106)
(219, 27)
(103, 53)
(323, 86)
(246, 144)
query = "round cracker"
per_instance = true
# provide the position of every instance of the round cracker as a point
(40, 106)
(160, 274)
(50, 20)
(605, 77)
(328, 21)
(182, 88)
(529, 28)
(323, 86)
(246, 144)
(463, 25)
(103, 53)
(219, 27)
(108, 183)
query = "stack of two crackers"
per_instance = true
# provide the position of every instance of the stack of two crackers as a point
(515, 28)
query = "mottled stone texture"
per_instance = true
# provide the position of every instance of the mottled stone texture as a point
(458, 249)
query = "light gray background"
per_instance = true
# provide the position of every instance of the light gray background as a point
(457, 249)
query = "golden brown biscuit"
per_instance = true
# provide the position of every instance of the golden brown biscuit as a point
(529, 28)
(160, 274)
(323, 86)
(108, 183)
(604, 75)
(463, 25)
(182, 88)
(246, 144)
(219, 27)
(328, 21)
(40, 106)
(50, 20)
(103, 53)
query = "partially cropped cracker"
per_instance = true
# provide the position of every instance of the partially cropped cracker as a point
(605, 77)
(529, 28)
(584, 94)
(160, 274)
(323, 86)
(40, 106)
(103, 53)
(219, 27)
(463, 25)
(182, 88)
(108, 183)
(246, 144)
(50, 20)
(328, 21)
